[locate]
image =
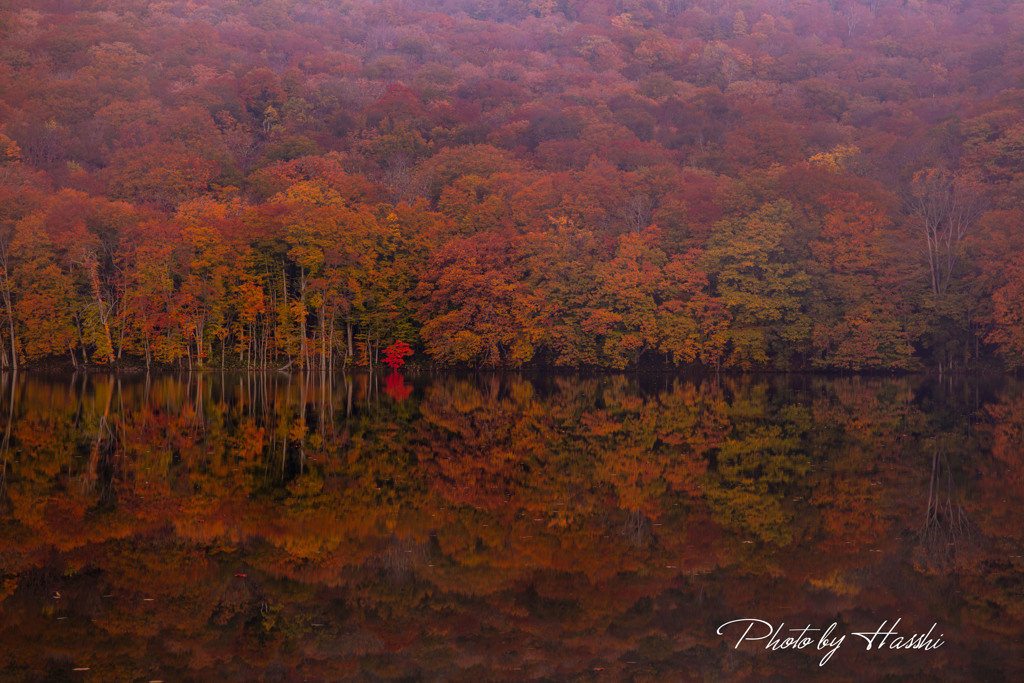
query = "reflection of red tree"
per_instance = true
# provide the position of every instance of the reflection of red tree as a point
(396, 387)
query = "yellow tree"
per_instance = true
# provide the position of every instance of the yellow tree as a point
(210, 267)
(760, 284)
(83, 235)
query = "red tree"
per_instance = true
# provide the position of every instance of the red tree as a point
(394, 355)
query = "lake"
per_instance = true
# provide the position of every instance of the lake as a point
(502, 527)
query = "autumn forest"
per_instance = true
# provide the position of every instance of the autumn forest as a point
(805, 218)
(746, 184)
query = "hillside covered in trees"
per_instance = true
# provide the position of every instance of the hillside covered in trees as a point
(748, 184)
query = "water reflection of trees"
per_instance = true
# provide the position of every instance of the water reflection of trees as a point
(947, 536)
(485, 523)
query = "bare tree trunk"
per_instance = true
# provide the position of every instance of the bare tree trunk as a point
(5, 273)
(330, 347)
(323, 337)
(348, 398)
(10, 320)
(81, 339)
(104, 313)
(946, 208)
(122, 316)
(303, 349)
(199, 346)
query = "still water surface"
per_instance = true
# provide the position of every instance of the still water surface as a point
(478, 528)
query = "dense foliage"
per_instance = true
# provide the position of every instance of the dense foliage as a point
(619, 183)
